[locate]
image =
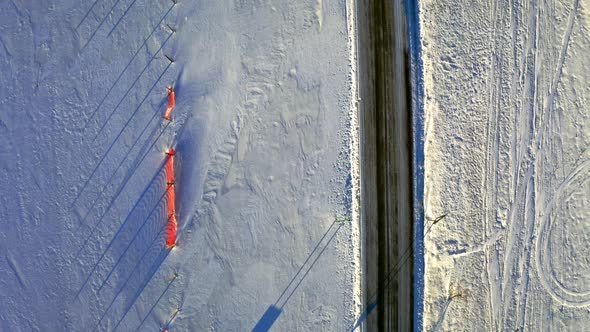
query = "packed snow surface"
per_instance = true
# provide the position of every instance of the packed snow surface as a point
(506, 118)
(265, 161)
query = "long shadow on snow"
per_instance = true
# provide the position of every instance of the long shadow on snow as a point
(133, 85)
(137, 280)
(121, 18)
(159, 260)
(100, 25)
(115, 141)
(150, 198)
(391, 276)
(154, 305)
(156, 213)
(274, 310)
(128, 154)
(86, 15)
(153, 132)
(187, 148)
(131, 172)
(135, 165)
(125, 68)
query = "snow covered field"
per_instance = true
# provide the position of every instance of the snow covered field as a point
(268, 222)
(506, 86)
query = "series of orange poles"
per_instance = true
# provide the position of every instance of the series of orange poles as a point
(171, 225)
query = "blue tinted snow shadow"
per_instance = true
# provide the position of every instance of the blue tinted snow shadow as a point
(365, 314)
(413, 24)
(150, 198)
(268, 319)
(163, 253)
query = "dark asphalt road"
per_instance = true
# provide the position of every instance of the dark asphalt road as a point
(386, 189)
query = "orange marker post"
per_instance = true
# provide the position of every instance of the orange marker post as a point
(171, 103)
(170, 197)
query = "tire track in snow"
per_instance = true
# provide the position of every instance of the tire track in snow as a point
(12, 263)
(539, 145)
(519, 290)
(542, 143)
(549, 108)
(492, 158)
(515, 275)
(543, 233)
(521, 218)
(562, 55)
(536, 47)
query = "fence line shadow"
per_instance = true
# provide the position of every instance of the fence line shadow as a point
(100, 25)
(126, 67)
(143, 152)
(100, 220)
(129, 175)
(161, 256)
(155, 304)
(146, 198)
(86, 15)
(132, 241)
(132, 86)
(115, 141)
(155, 266)
(121, 18)
(126, 156)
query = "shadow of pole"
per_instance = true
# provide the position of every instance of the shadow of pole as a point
(268, 319)
(85, 16)
(304, 263)
(274, 311)
(113, 143)
(153, 181)
(121, 162)
(100, 25)
(132, 240)
(126, 67)
(310, 267)
(155, 304)
(118, 292)
(156, 174)
(143, 153)
(127, 178)
(390, 276)
(120, 18)
(374, 299)
(126, 156)
(157, 263)
(443, 313)
(132, 86)
(137, 265)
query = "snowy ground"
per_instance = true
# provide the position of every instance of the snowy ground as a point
(269, 232)
(506, 86)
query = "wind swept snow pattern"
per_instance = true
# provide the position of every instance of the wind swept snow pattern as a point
(262, 134)
(507, 160)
